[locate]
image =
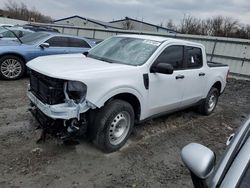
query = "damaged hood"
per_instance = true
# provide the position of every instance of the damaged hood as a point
(75, 67)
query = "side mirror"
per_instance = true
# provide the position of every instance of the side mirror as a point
(199, 159)
(44, 45)
(163, 68)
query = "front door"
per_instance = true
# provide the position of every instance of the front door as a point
(166, 90)
(57, 45)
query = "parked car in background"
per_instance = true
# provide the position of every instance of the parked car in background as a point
(37, 28)
(122, 80)
(15, 54)
(6, 25)
(12, 33)
(233, 169)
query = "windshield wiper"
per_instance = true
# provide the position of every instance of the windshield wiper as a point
(106, 60)
(100, 58)
(18, 38)
(85, 53)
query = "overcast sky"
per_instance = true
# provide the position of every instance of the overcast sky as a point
(154, 11)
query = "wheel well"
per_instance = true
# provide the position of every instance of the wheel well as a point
(217, 85)
(14, 54)
(133, 100)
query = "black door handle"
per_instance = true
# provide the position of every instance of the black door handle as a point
(179, 77)
(201, 74)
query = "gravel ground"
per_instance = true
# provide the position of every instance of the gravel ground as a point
(151, 157)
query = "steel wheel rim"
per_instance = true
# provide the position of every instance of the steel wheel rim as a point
(119, 128)
(212, 102)
(11, 68)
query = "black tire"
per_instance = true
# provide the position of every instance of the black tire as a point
(103, 121)
(205, 107)
(15, 63)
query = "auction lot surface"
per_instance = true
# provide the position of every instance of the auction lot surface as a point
(150, 159)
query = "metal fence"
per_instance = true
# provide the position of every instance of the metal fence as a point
(234, 52)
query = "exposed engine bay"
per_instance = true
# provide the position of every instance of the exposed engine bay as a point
(57, 93)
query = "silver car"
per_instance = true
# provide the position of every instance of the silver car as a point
(233, 169)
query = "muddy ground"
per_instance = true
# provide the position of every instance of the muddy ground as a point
(150, 159)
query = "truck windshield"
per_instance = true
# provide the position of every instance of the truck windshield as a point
(124, 50)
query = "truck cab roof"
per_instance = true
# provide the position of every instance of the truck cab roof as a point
(161, 39)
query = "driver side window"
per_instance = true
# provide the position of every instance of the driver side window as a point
(172, 55)
(58, 42)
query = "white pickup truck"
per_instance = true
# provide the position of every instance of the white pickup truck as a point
(123, 80)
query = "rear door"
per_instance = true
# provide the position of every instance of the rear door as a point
(78, 45)
(194, 76)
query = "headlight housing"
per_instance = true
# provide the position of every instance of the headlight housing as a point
(76, 91)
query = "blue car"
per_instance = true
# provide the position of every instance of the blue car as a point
(15, 54)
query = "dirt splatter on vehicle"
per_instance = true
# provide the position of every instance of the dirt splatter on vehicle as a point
(151, 158)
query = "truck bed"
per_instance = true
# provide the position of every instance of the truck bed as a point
(214, 64)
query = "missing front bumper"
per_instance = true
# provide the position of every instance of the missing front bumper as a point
(66, 111)
(59, 128)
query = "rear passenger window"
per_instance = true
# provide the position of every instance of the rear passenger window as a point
(172, 55)
(58, 42)
(194, 57)
(73, 42)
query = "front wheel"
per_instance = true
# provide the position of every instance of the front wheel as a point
(112, 125)
(209, 104)
(11, 67)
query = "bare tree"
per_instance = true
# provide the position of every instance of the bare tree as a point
(229, 26)
(216, 26)
(243, 32)
(190, 25)
(21, 11)
(223, 26)
(170, 25)
(206, 27)
(247, 31)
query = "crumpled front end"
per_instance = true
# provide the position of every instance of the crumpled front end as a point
(58, 105)
(66, 110)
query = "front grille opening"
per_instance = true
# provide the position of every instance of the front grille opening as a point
(46, 89)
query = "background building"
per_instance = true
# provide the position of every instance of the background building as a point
(133, 24)
(125, 24)
(84, 22)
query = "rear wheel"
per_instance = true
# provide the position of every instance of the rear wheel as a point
(112, 125)
(11, 67)
(209, 104)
